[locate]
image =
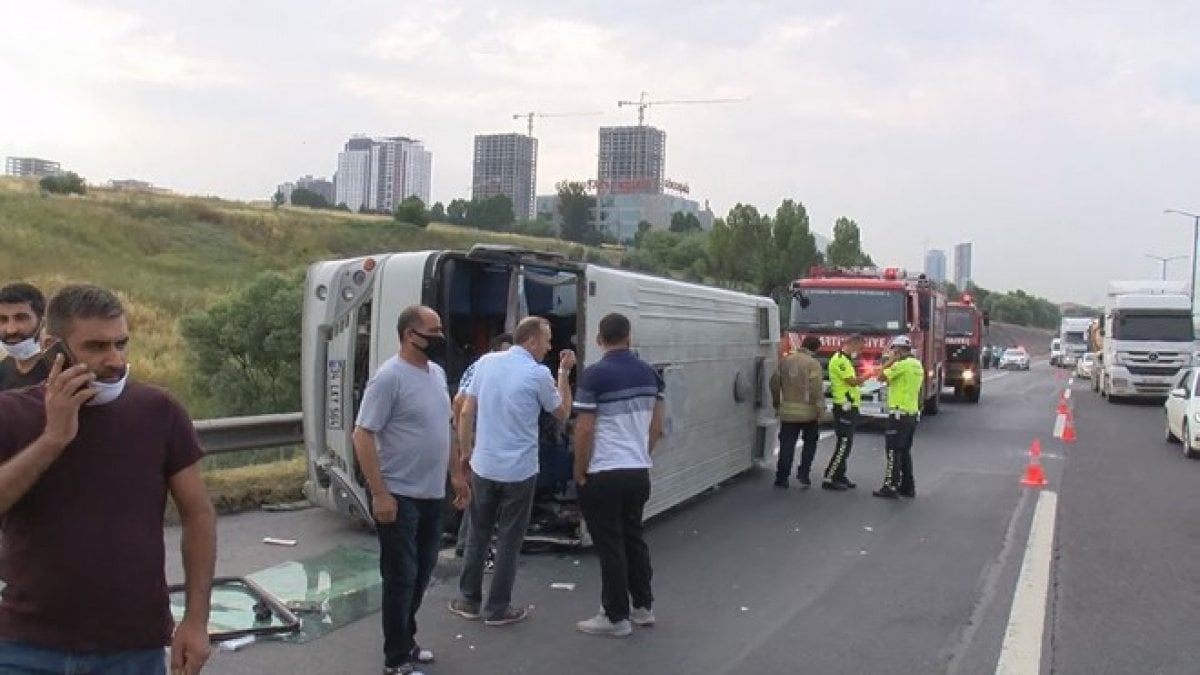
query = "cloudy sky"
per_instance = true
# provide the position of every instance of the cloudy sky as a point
(1052, 134)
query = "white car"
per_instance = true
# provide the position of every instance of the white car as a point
(1015, 358)
(1083, 369)
(1183, 413)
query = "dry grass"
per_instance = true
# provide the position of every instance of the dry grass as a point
(249, 487)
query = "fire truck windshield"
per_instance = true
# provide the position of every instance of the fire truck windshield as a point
(960, 321)
(849, 310)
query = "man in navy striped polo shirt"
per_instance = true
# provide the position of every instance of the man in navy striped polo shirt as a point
(619, 402)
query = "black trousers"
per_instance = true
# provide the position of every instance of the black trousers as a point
(612, 504)
(898, 440)
(844, 423)
(789, 432)
(408, 552)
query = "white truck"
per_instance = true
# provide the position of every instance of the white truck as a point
(715, 348)
(1146, 337)
(1072, 338)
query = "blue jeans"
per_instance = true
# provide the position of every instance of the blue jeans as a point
(408, 552)
(20, 658)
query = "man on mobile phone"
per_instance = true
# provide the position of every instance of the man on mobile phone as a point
(87, 460)
(22, 311)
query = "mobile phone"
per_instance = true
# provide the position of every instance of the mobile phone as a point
(53, 351)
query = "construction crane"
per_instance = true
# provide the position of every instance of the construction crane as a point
(642, 104)
(530, 115)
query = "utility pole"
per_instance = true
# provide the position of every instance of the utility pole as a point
(1164, 261)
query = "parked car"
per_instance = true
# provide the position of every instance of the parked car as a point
(1183, 413)
(1015, 358)
(1083, 369)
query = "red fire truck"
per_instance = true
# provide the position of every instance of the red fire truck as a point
(834, 302)
(965, 326)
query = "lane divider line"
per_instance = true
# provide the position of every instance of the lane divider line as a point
(1021, 652)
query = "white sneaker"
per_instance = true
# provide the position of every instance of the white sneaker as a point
(600, 625)
(642, 617)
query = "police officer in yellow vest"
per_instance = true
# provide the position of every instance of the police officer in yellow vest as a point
(799, 398)
(903, 374)
(843, 388)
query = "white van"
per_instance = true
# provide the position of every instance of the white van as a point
(715, 349)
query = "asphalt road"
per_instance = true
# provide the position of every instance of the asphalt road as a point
(751, 579)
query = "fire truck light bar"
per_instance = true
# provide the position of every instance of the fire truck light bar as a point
(857, 272)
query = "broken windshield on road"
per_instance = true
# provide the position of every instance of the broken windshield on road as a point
(850, 310)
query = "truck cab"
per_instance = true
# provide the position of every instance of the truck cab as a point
(1147, 336)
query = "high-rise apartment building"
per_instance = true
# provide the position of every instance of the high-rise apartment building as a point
(935, 265)
(962, 264)
(632, 159)
(506, 164)
(378, 173)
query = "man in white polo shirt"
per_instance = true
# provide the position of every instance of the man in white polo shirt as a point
(498, 434)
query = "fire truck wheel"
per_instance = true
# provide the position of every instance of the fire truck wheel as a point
(973, 394)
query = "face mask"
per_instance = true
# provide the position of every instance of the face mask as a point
(107, 392)
(23, 350)
(435, 346)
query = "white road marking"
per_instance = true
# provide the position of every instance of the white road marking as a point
(1021, 652)
(997, 376)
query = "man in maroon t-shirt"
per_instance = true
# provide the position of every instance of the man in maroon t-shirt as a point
(86, 462)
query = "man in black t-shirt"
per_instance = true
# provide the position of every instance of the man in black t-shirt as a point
(22, 309)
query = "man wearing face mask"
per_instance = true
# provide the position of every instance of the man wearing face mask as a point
(22, 310)
(509, 390)
(86, 463)
(405, 445)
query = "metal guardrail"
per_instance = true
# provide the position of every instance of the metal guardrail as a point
(235, 434)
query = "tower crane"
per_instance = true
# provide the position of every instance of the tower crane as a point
(642, 103)
(530, 115)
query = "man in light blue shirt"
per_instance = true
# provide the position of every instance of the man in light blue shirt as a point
(498, 435)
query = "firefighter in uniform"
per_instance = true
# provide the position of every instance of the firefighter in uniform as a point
(843, 387)
(903, 374)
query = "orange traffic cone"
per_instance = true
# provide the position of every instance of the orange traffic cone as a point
(1062, 406)
(1068, 434)
(1034, 477)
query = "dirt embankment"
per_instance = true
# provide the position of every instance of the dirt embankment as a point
(1036, 341)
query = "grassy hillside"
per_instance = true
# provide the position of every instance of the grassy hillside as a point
(169, 255)
(1035, 340)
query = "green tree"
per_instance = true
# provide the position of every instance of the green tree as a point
(244, 351)
(277, 199)
(63, 184)
(437, 212)
(685, 222)
(412, 211)
(845, 250)
(575, 208)
(494, 213)
(309, 198)
(456, 211)
(722, 259)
